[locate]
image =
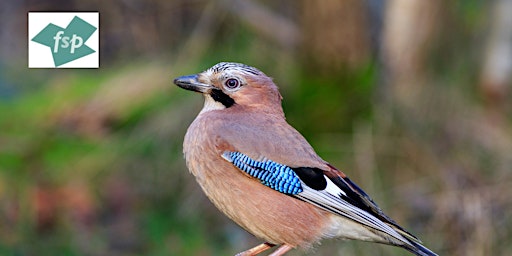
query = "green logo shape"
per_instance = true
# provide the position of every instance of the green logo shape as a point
(67, 44)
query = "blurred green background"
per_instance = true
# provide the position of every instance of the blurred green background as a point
(409, 98)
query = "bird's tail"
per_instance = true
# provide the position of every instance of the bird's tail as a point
(419, 249)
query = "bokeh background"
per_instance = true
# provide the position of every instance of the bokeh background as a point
(410, 98)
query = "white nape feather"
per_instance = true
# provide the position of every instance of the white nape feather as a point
(332, 188)
(210, 104)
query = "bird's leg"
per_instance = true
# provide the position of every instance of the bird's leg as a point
(256, 249)
(281, 250)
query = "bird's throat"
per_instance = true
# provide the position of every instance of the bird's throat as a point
(211, 104)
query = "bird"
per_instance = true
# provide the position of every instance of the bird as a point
(265, 176)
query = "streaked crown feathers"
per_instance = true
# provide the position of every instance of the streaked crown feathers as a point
(233, 66)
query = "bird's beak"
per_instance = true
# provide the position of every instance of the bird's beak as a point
(192, 83)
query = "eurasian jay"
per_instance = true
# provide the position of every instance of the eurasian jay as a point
(264, 175)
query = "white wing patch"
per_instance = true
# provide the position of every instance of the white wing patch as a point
(333, 189)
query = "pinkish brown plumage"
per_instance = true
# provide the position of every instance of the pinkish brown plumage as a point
(243, 115)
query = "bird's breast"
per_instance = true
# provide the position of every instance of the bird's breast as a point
(264, 212)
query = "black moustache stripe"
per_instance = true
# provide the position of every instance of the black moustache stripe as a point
(221, 97)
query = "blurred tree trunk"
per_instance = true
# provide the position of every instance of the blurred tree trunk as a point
(335, 34)
(495, 80)
(265, 21)
(409, 27)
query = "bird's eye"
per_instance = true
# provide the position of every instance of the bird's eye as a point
(232, 83)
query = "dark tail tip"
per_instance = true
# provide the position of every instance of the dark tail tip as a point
(419, 249)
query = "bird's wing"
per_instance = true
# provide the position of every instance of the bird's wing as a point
(328, 189)
(299, 172)
(357, 196)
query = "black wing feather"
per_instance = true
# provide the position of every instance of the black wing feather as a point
(315, 179)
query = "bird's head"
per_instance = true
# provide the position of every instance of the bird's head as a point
(230, 85)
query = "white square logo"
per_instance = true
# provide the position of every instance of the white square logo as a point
(63, 40)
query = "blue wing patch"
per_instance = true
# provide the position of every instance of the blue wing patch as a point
(271, 174)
